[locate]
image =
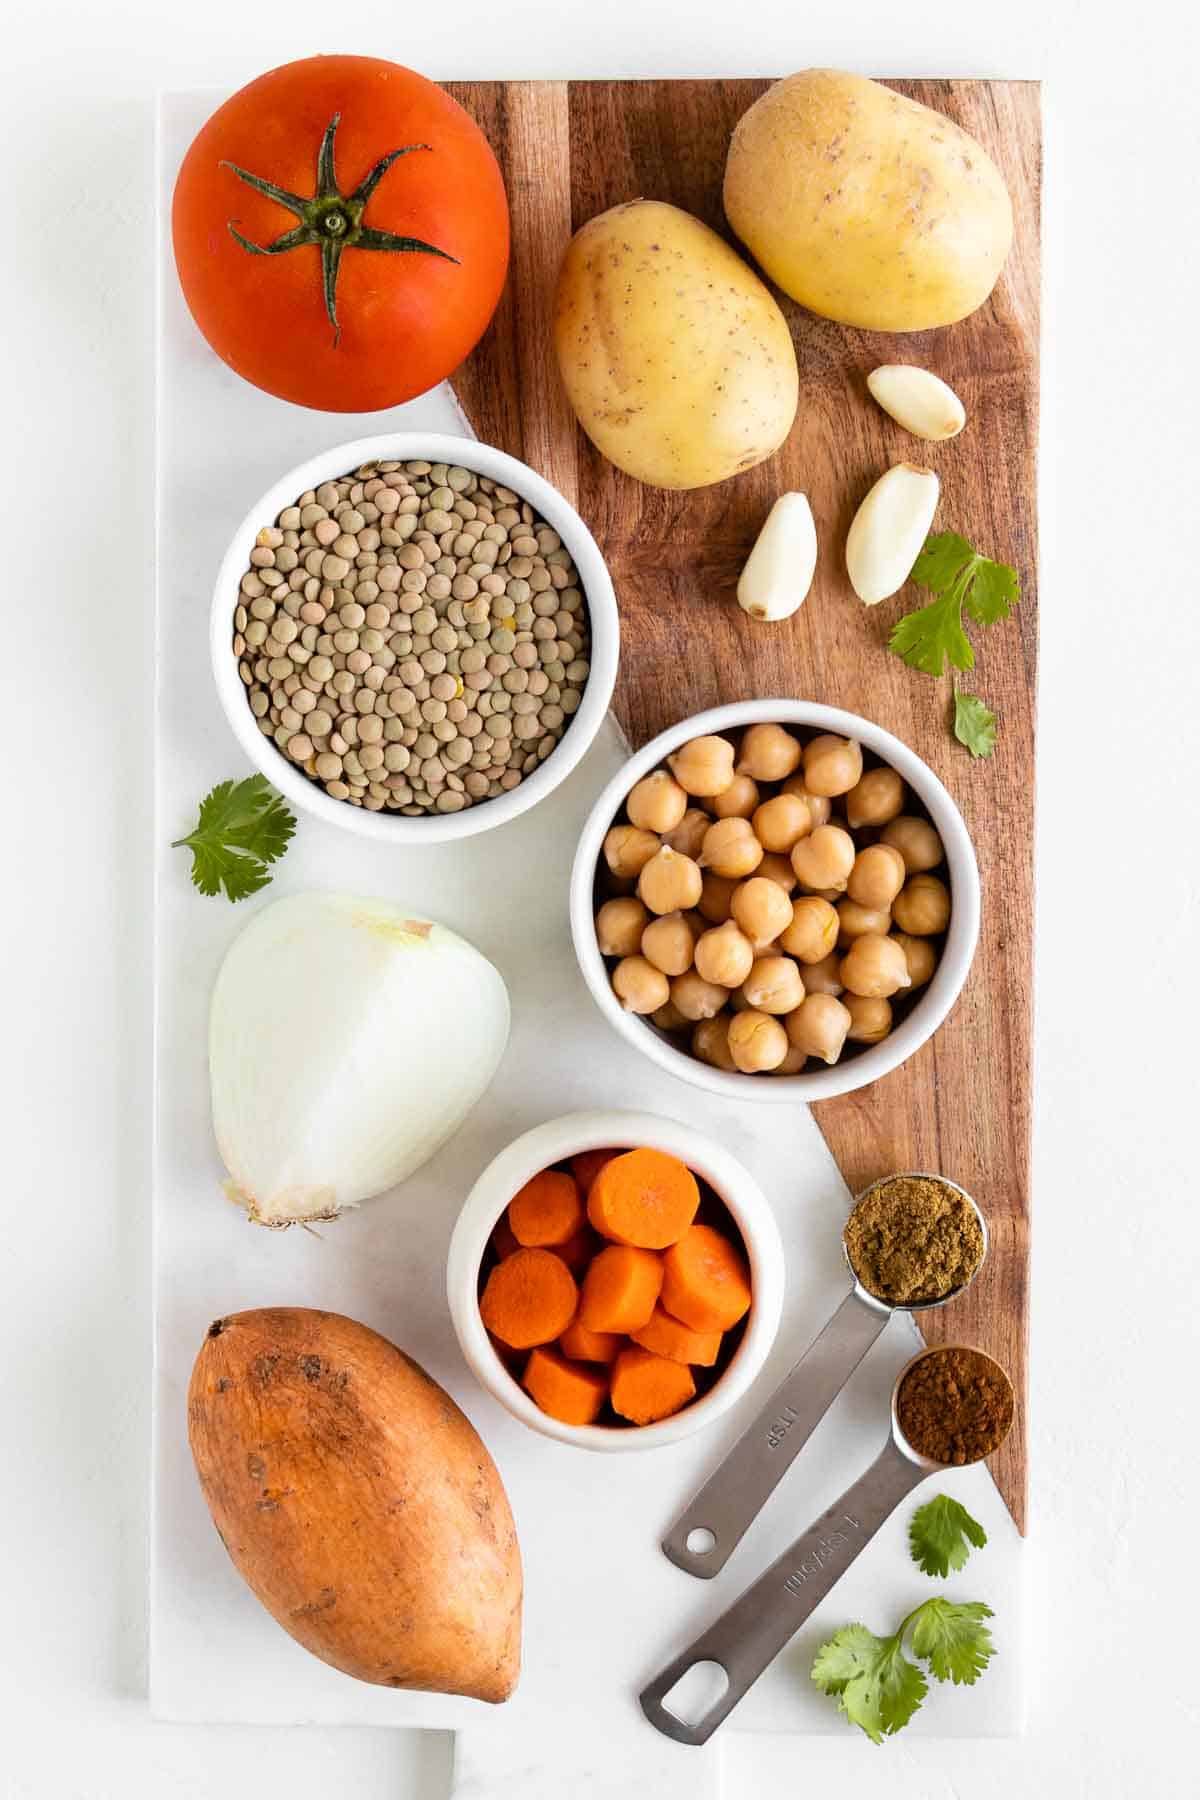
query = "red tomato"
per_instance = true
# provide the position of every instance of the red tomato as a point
(314, 131)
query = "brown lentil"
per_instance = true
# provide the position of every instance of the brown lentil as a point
(912, 1239)
(955, 1405)
(401, 592)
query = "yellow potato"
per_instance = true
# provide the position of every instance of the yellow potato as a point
(865, 206)
(678, 362)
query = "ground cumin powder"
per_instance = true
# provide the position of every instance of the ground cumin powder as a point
(913, 1238)
(955, 1405)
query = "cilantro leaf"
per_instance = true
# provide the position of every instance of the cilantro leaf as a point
(878, 1688)
(961, 579)
(932, 636)
(974, 725)
(243, 827)
(953, 1639)
(940, 1534)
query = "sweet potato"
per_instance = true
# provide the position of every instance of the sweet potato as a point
(357, 1502)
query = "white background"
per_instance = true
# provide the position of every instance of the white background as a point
(1115, 1457)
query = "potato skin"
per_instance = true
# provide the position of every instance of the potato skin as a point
(865, 206)
(357, 1502)
(677, 360)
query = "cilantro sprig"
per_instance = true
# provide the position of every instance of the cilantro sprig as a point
(879, 1687)
(974, 725)
(962, 581)
(940, 1535)
(243, 827)
(876, 1684)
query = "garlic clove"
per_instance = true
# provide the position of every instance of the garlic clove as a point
(918, 400)
(888, 531)
(779, 570)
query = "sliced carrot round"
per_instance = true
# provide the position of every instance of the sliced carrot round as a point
(529, 1298)
(582, 1345)
(548, 1211)
(619, 1289)
(669, 1337)
(643, 1197)
(646, 1387)
(706, 1283)
(587, 1164)
(568, 1391)
(579, 1250)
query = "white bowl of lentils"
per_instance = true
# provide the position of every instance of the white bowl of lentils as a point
(414, 636)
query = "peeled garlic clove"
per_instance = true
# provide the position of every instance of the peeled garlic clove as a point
(779, 569)
(888, 531)
(918, 400)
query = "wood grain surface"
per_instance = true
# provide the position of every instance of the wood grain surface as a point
(569, 150)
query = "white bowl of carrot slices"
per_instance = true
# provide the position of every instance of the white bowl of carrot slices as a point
(615, 1279)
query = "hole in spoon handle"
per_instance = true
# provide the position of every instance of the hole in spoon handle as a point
(735, 1493)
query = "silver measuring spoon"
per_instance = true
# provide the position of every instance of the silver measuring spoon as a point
(712, 1525)
(751, 1633)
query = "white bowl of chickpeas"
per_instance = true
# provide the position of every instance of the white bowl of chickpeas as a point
(775, 899)
(414, 636)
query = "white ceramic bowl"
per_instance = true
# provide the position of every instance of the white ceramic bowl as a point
(551, 1143)
(392, 828)
(920, 1023)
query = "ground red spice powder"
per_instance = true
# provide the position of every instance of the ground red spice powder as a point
(955, 1406)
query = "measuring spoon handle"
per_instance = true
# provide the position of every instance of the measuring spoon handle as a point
(752, 1632)
(734, 1495)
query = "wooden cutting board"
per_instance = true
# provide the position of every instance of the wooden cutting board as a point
(571, 149)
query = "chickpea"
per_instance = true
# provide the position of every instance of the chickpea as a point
(824, 859)
(824, 977)
(875, 967)
(832, 765)
(917, 842)
(820, 806)
(792, 1064)
(762, 909)
(716, 897)
(870, 1018)
(696, 998)
(669, 882)
(688, 835)
(781, 822)
(778, 869)
(619, 926)
(922, 907)
(774, 985)
(877, 876)
(627, 850)
(668, 943)
(756, 1042)
(731, 848)
(656, 802)
(724, 955)
(855, 921)
(819, 1027)
(769, 753)
(875, 800)
(738, 800)
(639, 986)
(704, 766)
(669, 1018)
(920, 956)
(710, 1042)
(738, 1001)
(813, 931)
